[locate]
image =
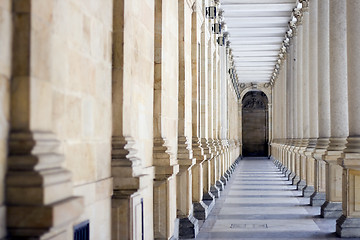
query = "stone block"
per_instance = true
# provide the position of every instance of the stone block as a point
(348, 227)
(294, 179)
(308, 191)
(331, 209)
(188, 227)
(220, 185)
(200, 210)
(215, 191)
(317, 199)
(301, 185)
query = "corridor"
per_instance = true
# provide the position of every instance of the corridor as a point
(259, 203)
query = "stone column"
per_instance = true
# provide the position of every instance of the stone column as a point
(298, 91)
(39, 191)
(208, 198)
(289, 108)
(283, 112)
(220, 180)
(305, 96)
(338, 109)
(210, 130)
(164, 154)
(312, 97)
(348, 225)
(289, 111)
(198, 152)
(318, 198)
(294, 141)
(188, 225)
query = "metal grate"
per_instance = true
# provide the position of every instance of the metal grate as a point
(82, 231)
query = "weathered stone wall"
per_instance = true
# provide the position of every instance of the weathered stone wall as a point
(5, 69)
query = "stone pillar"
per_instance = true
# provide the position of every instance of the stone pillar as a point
(304, 81)
(200, 208)
(348, 225)
(298, 125)
(338, 109)
(289, 108)
(188, 225)
(210, 130)
(294, 107)
(283, 112)
(270, 119)
(312, 98)
(219, 181)
(164, 154)
(208, 198)
(39, 199)
(318, 198)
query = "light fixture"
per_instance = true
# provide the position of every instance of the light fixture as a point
(221, 41)
(210, 12)
(216, 28)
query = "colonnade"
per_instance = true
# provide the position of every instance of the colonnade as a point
(124, 120)
(195, 145)
(316, 106)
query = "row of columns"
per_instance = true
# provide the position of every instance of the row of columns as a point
(188, 179)
(319, 149)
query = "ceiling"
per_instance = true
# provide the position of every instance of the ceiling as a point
(257, 29)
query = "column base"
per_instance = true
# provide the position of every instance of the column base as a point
(295, 180)
(348, 227)
(200, 210)
(308, 191)
(291, 176)
(209, 201)
(287, 173)
(228, 173)
(188, 227)
(215, 191)
(331, 209)
(224, 178)
(317, 199)
(277, 163)
(220, 185)
(301, 185)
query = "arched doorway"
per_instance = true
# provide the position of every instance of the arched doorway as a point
(255, 125)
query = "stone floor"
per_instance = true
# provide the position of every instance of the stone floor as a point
(259, 203)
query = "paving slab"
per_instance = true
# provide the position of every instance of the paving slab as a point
(259, 203)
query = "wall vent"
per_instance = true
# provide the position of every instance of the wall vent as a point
(82, 231)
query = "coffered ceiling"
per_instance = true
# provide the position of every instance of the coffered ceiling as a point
(256, 31)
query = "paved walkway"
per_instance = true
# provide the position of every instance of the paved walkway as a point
(259, 203)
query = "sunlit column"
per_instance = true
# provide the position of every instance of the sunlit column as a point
(338, 109)
(348, 225)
